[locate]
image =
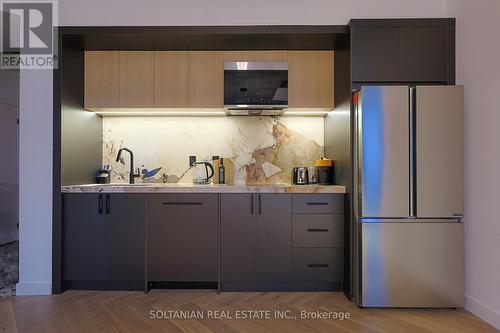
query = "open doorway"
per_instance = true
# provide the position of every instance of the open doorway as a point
(9, 181)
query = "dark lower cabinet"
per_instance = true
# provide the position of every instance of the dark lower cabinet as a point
(274, 238)
(282, 242)
(268, 242)
(238, 239)
(83, 237)
(125, 237)
(318, 241)
(182, 237)
(103, 241)
(255, 241)
(318, 265)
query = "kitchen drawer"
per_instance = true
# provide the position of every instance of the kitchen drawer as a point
(180, 200)
(318, 265)
(318, 230)
(317, 203)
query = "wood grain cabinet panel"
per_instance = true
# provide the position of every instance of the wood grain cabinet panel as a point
(101, 79)
(206, 79)
(255, 56)
(310, 79)
(136, 79)
(171, 79)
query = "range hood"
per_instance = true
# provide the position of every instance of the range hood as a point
(255, 88)
(254, 110)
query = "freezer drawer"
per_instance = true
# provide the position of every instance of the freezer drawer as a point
(440, 151)
(412, 264)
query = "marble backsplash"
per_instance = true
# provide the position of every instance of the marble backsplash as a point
(264, 149)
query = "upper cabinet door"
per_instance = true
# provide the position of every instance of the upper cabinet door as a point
(171, 79)
(136, 79)
(423, 54)
(375, 54)
(255, 56)
(206, 79)
(101, 79)
(310, 79)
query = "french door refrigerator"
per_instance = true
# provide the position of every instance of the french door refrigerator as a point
(408, 196)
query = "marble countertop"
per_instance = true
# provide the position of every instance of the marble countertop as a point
(190, 188)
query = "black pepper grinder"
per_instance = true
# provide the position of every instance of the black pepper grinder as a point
(222, 171)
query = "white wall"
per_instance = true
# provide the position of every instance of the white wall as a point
(238, 12)
(35, 183)
(36, 87)
(478, 68)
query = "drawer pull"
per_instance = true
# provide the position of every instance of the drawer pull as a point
(99, 205)
(108, 204)
(317, 230)
(182, 203)
(317, 265)
(317, 203)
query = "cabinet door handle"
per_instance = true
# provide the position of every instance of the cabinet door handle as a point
(317, 265)
(108, 204)
(99, 205)
(251, 204)
(260, 205)
(182, 203)
(317, 203)
(317, 230)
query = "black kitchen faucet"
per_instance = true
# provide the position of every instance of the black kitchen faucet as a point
(119, 158)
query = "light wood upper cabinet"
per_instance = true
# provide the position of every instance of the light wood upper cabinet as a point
(101, 79)
(195, 79)
(171, 83)
(136, 79)
(255, 55)
(206, 79)
(310, 79)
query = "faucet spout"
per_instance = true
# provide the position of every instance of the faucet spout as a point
(132, 175)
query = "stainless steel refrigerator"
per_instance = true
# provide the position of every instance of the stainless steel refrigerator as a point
(409, 196)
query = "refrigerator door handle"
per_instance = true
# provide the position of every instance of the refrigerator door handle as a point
(412, 169)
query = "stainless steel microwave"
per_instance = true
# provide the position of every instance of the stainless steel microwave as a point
(255, 88)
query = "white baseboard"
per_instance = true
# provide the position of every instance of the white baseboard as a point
(33, 288)
(483, 311)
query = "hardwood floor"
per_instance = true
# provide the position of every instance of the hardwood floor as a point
(91, 311)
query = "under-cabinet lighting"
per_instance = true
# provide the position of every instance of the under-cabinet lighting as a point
(192, 112)
(305, 112)
(158, 112)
